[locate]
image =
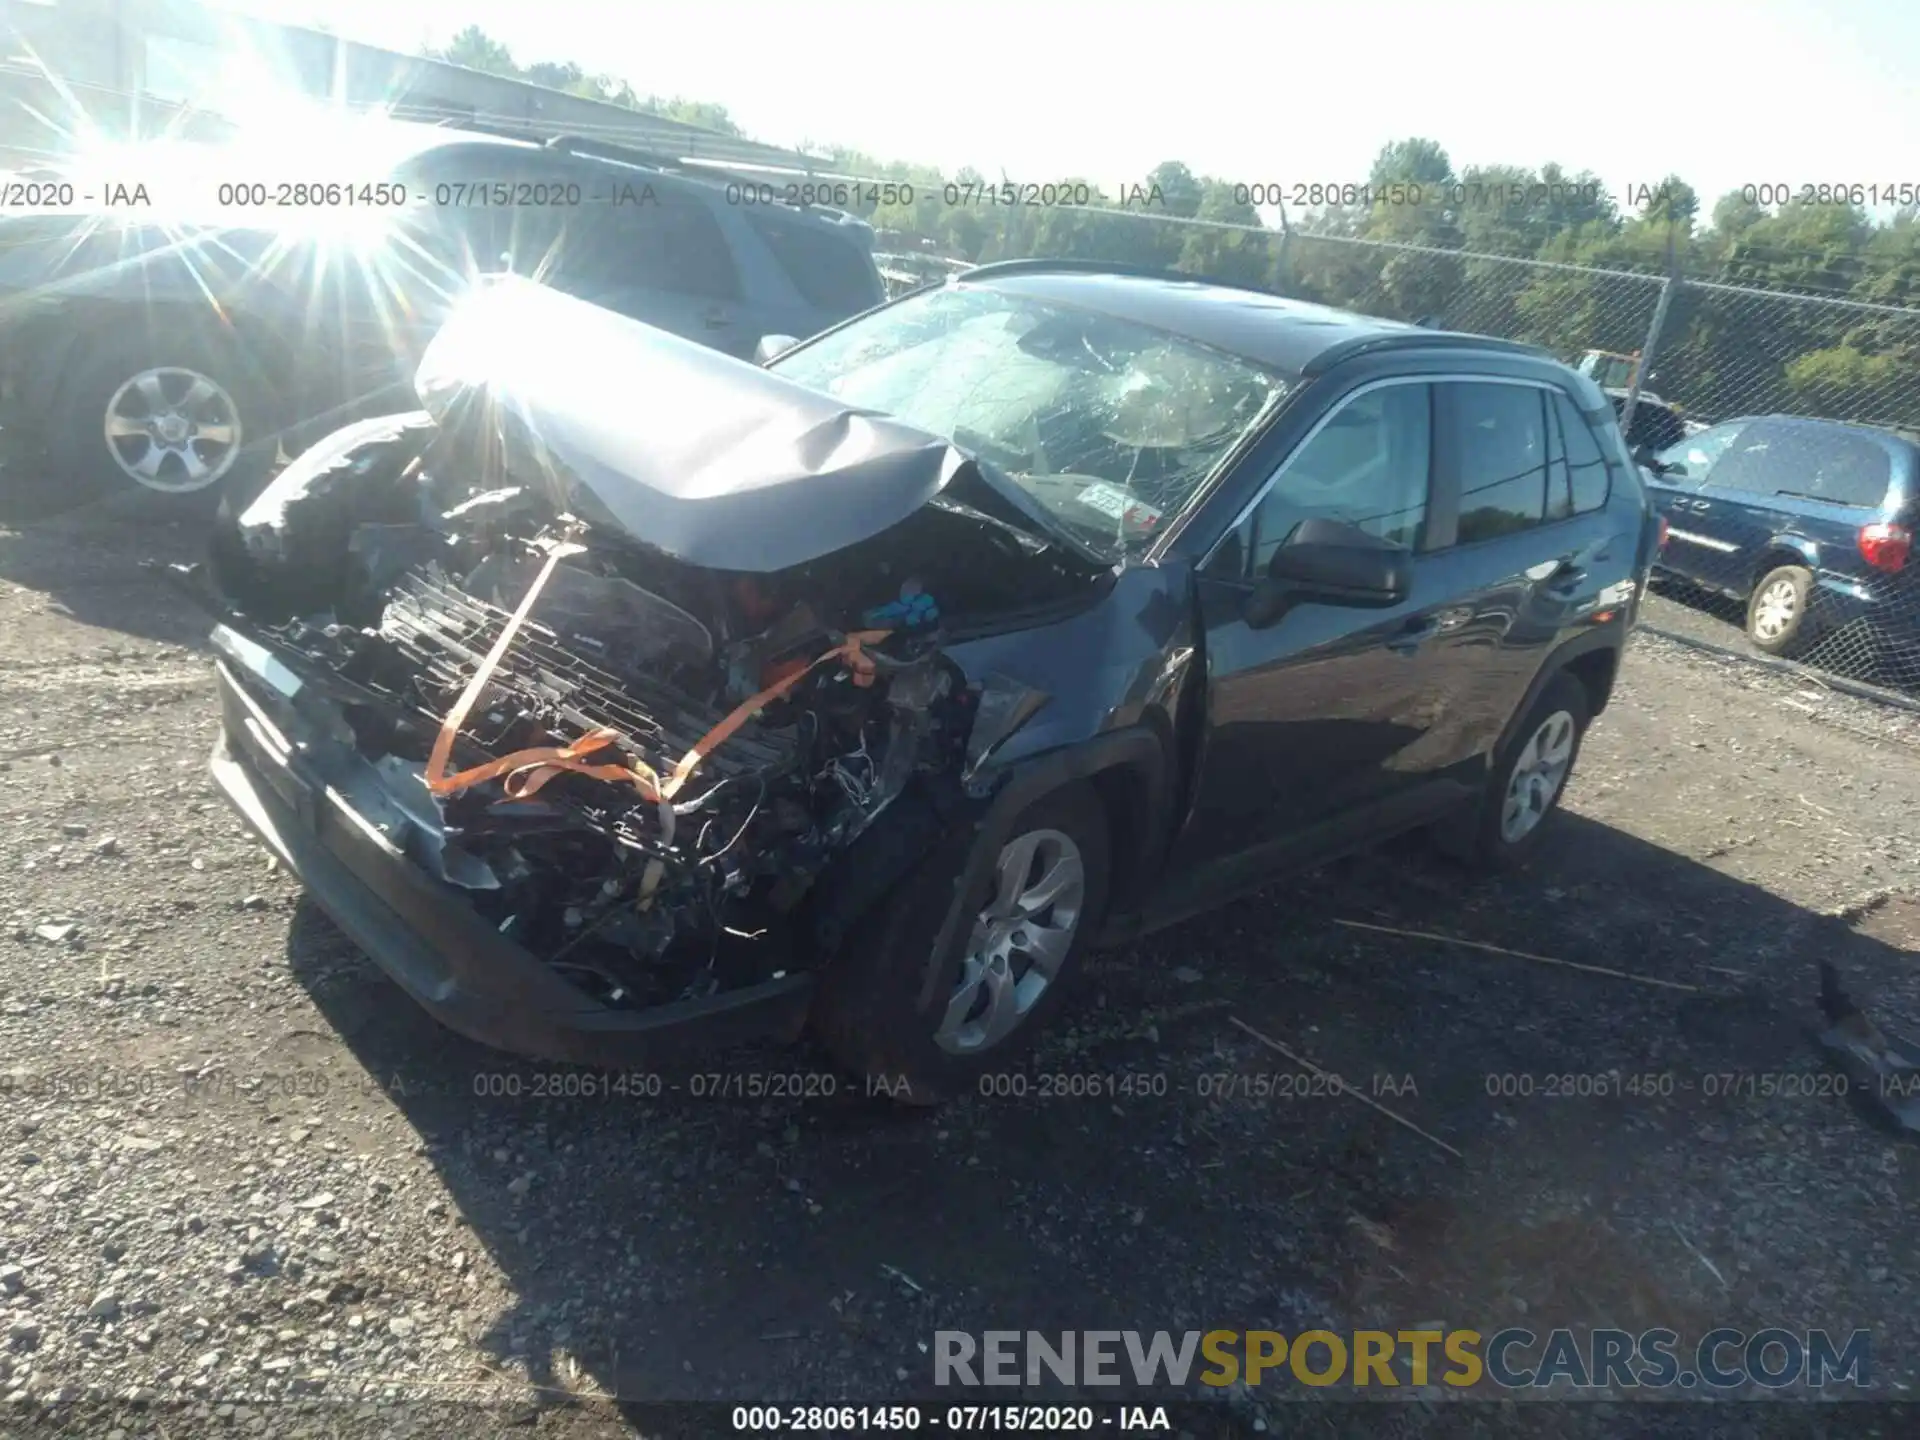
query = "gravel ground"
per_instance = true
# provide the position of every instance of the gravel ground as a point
(245, 1182)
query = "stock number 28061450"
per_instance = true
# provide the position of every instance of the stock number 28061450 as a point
(788, 1418)
(1073, 1085)
(567, 1085)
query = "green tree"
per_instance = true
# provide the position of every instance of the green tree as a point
(1178, 188)
(1673, 202)
(477, 50)
(705, 113)
(1238, 257)
(1459, 246)
(1412, 183)
(555, 76)
(1414, 161)
(1820, 375)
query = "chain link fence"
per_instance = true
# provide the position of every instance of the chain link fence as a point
(1782, 521)
(1807, 553)
(1736, 351)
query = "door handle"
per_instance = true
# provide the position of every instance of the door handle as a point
(1415, 633)
(1567, 579)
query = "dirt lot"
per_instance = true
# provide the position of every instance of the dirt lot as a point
(243, 1179)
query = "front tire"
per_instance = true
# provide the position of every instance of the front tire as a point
(1502, 829)
(1029, 924)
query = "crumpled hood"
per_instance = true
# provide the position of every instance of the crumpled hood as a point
(713, 460)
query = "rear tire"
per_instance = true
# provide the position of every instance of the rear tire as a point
(1777, 612)
(866, 1012)
(1501, 829)
(173, 417)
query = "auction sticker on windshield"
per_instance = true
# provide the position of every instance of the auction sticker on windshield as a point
(1117, 504)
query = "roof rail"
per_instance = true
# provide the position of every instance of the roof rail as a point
(568, 144)
(1060, 265)
(494, 129)
(1415, 338)
(692, 169)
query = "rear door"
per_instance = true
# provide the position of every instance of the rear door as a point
(1534, 553)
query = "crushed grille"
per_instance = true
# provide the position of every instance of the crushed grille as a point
(446, 633)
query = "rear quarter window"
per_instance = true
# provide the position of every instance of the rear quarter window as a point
(832, 271)
(1587, 473)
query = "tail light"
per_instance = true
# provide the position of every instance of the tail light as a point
(1885, 546)
(1663, 532)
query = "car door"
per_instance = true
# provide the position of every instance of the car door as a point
(1533, 550)
(658, 254)
(1310, 719)
(1694, 549)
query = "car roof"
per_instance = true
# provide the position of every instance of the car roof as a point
(1295, 337)
(1864, 428)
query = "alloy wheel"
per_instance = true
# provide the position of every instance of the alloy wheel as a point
(173, 430)
(1018, 942)
(1538, 773)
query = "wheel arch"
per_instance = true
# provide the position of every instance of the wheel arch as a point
(97, 325)
(1593, 660)
(1782, 550)
(1128, 770)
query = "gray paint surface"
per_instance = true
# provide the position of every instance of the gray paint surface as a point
(708, 458)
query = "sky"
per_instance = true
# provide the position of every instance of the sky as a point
(1770, 91)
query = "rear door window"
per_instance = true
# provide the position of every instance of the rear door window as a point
(1503, 458)
(831, 271)
(665, 240)
(1586, 468)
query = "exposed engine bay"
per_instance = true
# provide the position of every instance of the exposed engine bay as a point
(640, 769)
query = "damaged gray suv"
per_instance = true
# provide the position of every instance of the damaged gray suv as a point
(630, 700)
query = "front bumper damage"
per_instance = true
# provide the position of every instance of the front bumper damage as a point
(471, 659)
(285, 778)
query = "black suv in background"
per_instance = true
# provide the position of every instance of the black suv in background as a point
(1116, 595)
(176, 352)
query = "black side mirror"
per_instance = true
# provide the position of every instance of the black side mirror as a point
(1333, 563)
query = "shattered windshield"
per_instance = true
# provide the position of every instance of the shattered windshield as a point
(1109, 425)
